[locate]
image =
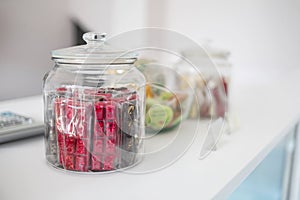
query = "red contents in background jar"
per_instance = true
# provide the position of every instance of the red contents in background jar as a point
(214, 99)
(225, 84)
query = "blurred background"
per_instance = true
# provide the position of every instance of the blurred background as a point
(258, 33)
(261, 35)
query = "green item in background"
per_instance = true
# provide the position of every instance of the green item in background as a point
(158, 116)
(166, 95)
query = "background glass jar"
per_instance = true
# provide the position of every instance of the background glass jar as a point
(212, 81)
(168, 97)
(94, 108)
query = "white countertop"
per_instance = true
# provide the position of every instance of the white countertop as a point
(267, 106)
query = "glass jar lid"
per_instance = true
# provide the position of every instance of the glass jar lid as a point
(211, 50)
(96, 51)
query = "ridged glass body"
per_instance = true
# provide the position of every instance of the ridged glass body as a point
(94, 116)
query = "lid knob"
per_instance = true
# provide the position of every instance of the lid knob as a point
(92, 37)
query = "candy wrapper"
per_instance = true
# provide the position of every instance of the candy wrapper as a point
(97, 131)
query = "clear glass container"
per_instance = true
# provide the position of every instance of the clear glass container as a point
(212, 81)
(169, 96)
(94, 108)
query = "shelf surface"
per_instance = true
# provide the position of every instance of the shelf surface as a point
(267, 109)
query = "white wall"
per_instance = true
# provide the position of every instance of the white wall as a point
(29, 30)
(259, 33)
(110, 16)
(94, 15)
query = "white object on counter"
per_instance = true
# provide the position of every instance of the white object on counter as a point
(21, 108)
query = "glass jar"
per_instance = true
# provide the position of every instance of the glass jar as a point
(94, 108)
(169, 96)
(212, 80)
